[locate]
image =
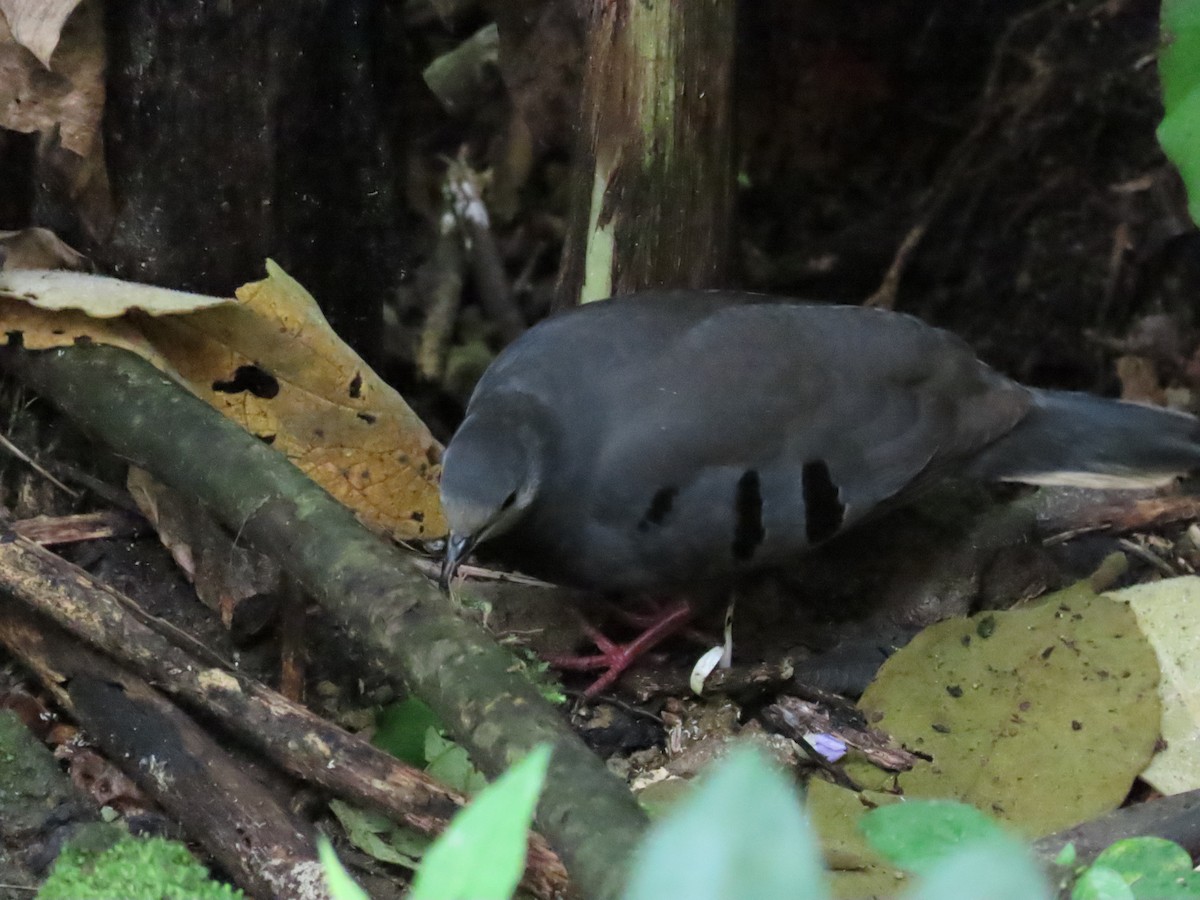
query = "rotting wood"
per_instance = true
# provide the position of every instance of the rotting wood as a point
(53, 531)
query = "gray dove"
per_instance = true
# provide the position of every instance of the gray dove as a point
(669, 438)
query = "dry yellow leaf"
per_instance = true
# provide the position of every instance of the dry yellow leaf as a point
(24, 325)
(98, 296)
(272, 364)
(269, 361)
(42, 309)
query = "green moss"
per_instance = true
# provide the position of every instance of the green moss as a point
(132, 869)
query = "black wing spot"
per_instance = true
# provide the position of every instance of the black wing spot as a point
(252, 379)
(748, 532)
(368, 418)
(356, 386)
(659, 509)
(823, 506)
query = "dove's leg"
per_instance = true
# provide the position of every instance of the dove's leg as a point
(613, 658)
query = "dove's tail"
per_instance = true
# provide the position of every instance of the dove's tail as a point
(1084, 440)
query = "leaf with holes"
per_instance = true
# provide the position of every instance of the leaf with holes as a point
(269, 361)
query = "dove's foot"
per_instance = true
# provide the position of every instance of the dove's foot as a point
(613, 658)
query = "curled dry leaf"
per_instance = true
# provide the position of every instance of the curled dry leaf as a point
(269, 361)
(68, 97)
(52, 64)
(37, 24)
(38, 248)
(41, 310)
(98, 296)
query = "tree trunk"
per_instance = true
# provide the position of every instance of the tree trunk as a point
(240, 131)
(652, 196)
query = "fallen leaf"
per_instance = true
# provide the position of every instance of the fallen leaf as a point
(237, 582)
(1041, 716)
(1166, 613)
(34, 97)
(60, 96)
(272, 364)
(269, 361)
(38, 248)
(37, 24)
(41, 310)
(379, 837)
(101, 780)
(1139, 381)
(855, 869)
(98, 296)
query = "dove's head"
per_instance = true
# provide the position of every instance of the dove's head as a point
(491, 473)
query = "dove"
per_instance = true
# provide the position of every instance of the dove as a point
(669, 439)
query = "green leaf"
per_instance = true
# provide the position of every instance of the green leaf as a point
(1067, 855)
(740, 834)
(1153, 867)
(1101, 883)
(996, 868)
(451, 765)
(919, 833)
(481, 855)
(1179, 62)
(341, 885)
(379, 837)
(400, 730)
(1179, 69)
(1179, 135)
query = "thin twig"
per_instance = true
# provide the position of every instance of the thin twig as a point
(24, 457)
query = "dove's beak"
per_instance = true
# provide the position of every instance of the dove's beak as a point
(458, 547)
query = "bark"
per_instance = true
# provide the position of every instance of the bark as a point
(1175, 818)
(401, 622)
(652, 197)
(171, 758)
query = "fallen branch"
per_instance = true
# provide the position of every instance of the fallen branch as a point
(1066, 514)
(1176, 818)
(172, 759)
(403, 625)
(53, 531)
(299, 741)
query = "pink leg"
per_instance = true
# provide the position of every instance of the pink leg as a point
(615, 658)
